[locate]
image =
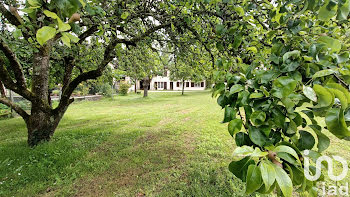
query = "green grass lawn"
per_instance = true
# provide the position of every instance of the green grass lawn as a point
(165, 145)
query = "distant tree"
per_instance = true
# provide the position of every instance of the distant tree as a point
(189, 63)
(140, 63)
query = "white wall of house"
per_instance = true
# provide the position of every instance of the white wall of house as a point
(164, 83)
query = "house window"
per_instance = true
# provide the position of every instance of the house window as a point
(160, 84)
(192, 84)
(177, 84)
(187, 84)
(202, 84)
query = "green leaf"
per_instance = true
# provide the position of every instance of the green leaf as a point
(235, 126)
(220, 29)
(256, 95)
(236, 88)
(341, 96)
(239, 10)
(343, 10)
(324, 97)
(125, 15)
(237, 41)
(289, 150)
(290, 54)
(218, 89)
(341, 88)
(254, 180)
(62, 27)
(310, 93)
(65, 39)
(342, 58)
(336, 123)
(243, 98)
(268, 173)
(328, 10)
(242, 139)
(283, 86)
(72, 38)
(230, 114)
(258, 117)
(257, 136)
(50, 14)
(323, 141)
(252, 49)
(243, 151)
(323, 73)
(34, 3)
(306, 141)
(288, 158)
(240, 168)
(284, 181)
(44, 34)
(278, 117)
(330, 43)
(82, 3)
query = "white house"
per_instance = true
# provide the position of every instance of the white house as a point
(164, 83)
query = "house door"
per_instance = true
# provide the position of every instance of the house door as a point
(171, 85)
(165, 85)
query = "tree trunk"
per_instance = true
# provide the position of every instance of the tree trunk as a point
(135, 87)
(146, 82)
(41, 125)
(183, 87)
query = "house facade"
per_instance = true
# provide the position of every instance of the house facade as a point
(164, 83)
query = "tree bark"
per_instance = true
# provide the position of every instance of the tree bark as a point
(41, 125)
(146, 82)
(135, 86)
(183, 87)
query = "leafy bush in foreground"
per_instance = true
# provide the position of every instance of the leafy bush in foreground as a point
(296, 71)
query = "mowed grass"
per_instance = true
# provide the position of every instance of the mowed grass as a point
(164, 145)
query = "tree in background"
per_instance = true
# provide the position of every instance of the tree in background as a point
(189, 63)
(140, 63)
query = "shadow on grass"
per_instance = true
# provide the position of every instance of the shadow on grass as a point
(54, 164)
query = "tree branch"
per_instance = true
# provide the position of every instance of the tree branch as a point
(9, 16)
(88, 33)
(2, 90)
(93, 74)
(11, 104)
(14, 63)
(15, 107)
(13, 20)
(24, 92)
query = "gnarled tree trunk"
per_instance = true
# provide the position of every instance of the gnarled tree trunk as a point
(41, 125)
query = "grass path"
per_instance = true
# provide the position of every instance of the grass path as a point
(165, 145)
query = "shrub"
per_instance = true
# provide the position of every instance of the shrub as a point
(106, 90)
(124, 88)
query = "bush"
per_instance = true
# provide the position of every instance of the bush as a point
(124, 88)
(106, 90)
